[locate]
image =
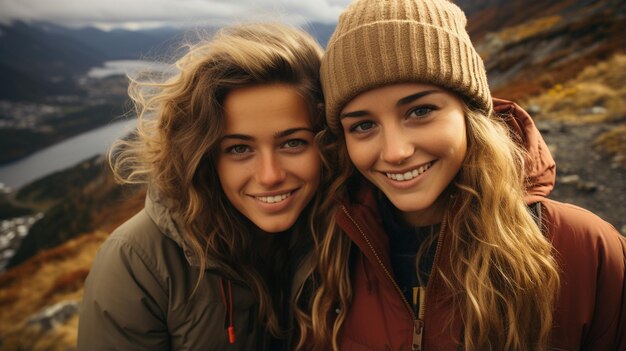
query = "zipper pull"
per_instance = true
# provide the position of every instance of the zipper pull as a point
(418, 330)
(419, 300)
(231, 334)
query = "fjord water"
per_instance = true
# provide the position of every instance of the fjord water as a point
(83, 146)
(64, 154)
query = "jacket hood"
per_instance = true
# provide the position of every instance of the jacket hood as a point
(158, 209)
(540, 166)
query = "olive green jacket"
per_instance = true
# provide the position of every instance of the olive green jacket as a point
(138, 295)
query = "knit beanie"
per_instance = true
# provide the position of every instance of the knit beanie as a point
(382, 42)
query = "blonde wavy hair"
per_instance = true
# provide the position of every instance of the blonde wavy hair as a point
(503, 280)
(180, 123)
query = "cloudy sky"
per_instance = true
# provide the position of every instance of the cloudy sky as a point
(132, 14)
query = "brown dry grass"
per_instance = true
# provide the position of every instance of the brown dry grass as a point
(50, 277)
(530, 28)
(597, 94)
(57, 274)
(109, 218)
(61, 338)
(613, 143)
(515, 34)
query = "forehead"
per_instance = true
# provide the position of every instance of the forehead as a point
(263, 108)
(390, 94)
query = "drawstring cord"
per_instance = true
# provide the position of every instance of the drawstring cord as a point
(228, 305)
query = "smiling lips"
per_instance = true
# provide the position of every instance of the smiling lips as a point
(401, 177)
(274, 198)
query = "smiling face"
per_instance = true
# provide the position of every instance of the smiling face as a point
(408, 140)
(268, 162)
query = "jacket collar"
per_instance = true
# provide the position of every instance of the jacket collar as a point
(360, 218)
(158, 208)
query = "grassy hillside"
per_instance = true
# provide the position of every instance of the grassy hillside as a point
(77, 200)
(51, 277)
(540, 45)
(595, 95)
(39, 297)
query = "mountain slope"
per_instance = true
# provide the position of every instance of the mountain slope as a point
(46, 63)
(119, 43)
(79, 199)
(494, 15)
(530, 46)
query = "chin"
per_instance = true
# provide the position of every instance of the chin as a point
(408, 203)
(275, 225)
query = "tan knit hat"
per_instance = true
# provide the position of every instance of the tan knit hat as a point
(381, 42)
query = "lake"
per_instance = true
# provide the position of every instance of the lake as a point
(125, 67)
(64, 154)
(74, 150)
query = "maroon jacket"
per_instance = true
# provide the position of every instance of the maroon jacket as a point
(591, 309)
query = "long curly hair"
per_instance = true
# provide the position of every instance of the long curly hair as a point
(503, 279)
(180, 123)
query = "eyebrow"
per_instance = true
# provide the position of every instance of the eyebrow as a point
(238, 136)
(277, 135)
(287, 132)
(403, 101)
(408, 99)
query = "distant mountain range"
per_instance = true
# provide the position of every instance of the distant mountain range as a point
(41, 59)
(527, 46)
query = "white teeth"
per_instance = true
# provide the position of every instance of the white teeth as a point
(409, 175)
(273, 199)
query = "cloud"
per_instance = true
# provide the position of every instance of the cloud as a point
(152, 13)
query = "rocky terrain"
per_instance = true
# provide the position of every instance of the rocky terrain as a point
(530, 47)
(583, 120)
(585, 176)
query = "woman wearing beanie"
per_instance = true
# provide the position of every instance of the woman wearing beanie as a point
(443, 237)
(219, 256)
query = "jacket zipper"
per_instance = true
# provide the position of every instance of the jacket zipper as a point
(418, 321)
(422, 312)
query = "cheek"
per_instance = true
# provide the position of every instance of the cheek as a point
(359, 153)
(309, 168)
(451, 138)
(229, 175)
(463, 147)
(458, 146)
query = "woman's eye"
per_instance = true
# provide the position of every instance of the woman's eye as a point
(237, 149)
(294, 143)
(421, 112)
(362, 127)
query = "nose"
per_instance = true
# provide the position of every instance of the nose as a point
(397, 147)
(270, 171)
